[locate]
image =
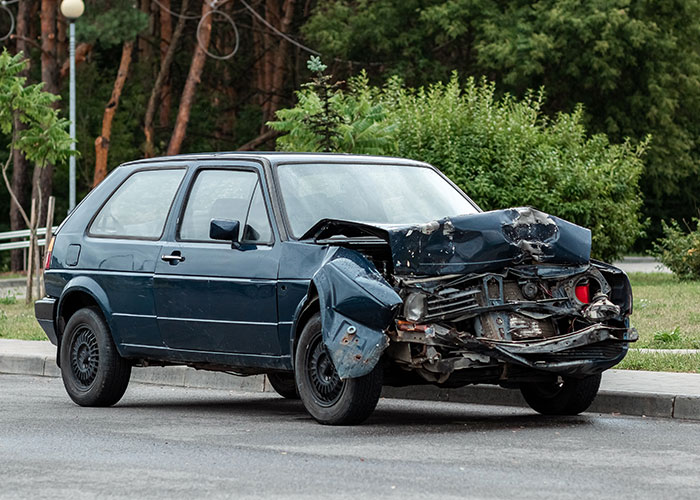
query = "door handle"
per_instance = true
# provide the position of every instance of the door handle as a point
(173, 259)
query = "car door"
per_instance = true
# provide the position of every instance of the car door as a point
(212, 295)
(121, 247)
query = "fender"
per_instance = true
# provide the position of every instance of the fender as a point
(357, 306)
(89, 286)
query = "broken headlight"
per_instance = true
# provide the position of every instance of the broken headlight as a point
(414, 307)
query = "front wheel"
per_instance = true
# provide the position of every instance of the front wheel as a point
(326, 397)
(93, 372)
(563, 396)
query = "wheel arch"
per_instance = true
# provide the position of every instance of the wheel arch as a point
(79, 293)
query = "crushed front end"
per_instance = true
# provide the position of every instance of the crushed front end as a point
(504, 297)
(551, 318)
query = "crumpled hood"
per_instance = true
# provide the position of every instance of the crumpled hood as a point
(481, 242)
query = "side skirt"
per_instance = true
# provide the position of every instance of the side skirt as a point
(236, 361)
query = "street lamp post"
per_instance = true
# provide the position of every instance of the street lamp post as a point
(72, 10)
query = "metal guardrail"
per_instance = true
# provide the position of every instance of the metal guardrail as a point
(24, 233)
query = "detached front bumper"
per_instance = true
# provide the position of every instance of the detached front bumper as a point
(45, 312)
(588, 351)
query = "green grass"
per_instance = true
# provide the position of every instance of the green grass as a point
(666, 311)
(17, 320)
(11, 275)
(661, 362)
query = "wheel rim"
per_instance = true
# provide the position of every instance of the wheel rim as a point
(84, 356)
(322, 377)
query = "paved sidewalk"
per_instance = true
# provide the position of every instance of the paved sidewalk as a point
(625, 392)
(641, 265)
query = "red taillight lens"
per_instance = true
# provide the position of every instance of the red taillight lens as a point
(49, 249)
(583, 293)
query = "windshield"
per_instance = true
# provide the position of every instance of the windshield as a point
(375, 194)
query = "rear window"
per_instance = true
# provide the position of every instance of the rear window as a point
(139, 207)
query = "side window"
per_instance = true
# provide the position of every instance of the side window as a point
(225, 194)
(257, 227)
(139, 207)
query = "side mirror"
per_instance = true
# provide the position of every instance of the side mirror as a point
(225, 230)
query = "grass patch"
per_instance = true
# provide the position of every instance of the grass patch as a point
(17, 320)
(661, 362)
(665, 311)
(11, 275)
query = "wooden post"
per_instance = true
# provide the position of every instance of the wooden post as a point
(30, 258)
(37, 259)
(49, 233)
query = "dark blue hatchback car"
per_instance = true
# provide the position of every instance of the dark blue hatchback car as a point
(332, 274)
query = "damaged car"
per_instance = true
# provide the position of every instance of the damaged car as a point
(334, 275)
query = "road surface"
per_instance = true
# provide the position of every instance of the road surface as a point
(165, 442)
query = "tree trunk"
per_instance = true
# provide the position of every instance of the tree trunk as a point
(82, 51)
(32, 250)
(42, 180)
(281, 53)
(61, 35)
(102, 142)
(271, 15)
(193, 78)
(20, 165)
(258, 66)
(161, 82)
(166, 39)
(261, 139)
(145, 52)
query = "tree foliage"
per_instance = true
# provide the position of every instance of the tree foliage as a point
(43, 139)
(110, 22)
(501, 151)
(634, 65)
(328, 119)
(680, 250)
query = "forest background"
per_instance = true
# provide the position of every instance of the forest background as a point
(159, 77)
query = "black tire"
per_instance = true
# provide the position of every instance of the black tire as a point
(93, 372)
(284, 384)
(326, 397)
(568, 396)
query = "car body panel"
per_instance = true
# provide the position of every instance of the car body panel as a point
(357, 305)
(219, 298)
(478, 242)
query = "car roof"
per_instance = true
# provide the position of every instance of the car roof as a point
(276, 158)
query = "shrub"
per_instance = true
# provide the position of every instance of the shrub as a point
(679, 250)
(502, 152)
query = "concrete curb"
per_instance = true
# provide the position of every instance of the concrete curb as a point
(662, 405)
(617, 402)
(13, 283)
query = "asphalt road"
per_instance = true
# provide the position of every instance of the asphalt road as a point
(164, 442)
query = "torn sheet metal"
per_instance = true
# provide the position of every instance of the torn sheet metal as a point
(487, 241)
(357, 306)
(479, 242)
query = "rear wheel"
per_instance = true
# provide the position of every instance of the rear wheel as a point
(93, 372)
(283, 384)
(326, 397)
(563, 396)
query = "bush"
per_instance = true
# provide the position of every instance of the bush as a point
(504, 152)
(507, 153)
(679, 250)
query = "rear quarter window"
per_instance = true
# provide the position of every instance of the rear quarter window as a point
(139, 207)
